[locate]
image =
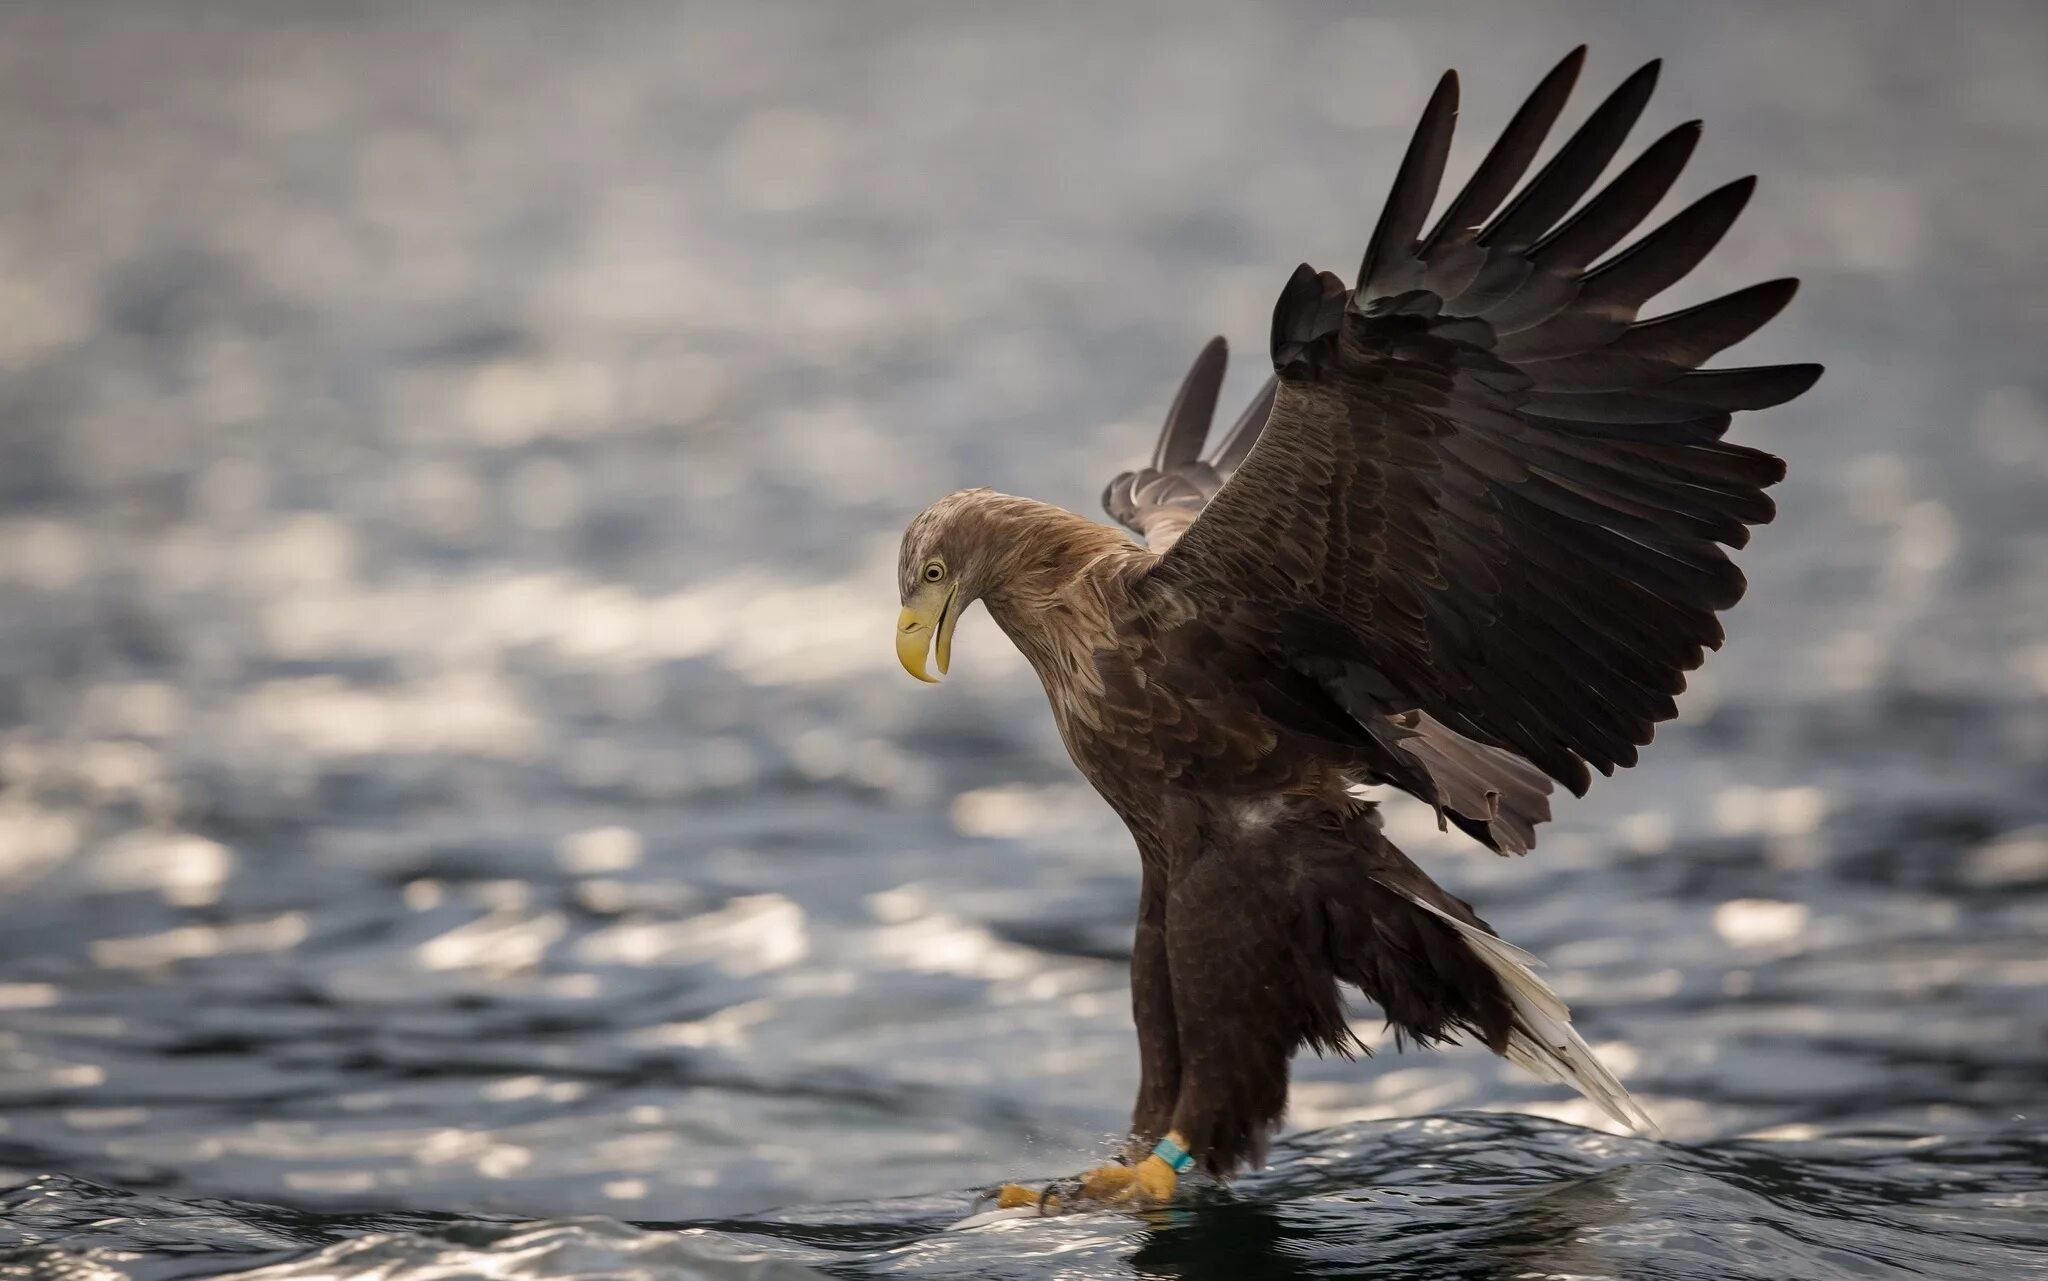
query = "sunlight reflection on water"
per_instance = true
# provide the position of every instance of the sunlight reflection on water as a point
(450, 760)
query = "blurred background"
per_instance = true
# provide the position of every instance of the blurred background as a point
(451, 463)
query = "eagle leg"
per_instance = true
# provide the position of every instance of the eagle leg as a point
(1152, 1012)
(1252, 981)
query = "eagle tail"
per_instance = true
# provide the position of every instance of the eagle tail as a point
(1538, 1035)
(1259, 931)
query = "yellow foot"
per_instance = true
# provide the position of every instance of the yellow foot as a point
(1149, 1182)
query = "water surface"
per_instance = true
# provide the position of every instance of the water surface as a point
(457, 798)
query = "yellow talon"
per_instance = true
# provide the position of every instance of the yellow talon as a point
(1011, 1195)
(1149, 1182)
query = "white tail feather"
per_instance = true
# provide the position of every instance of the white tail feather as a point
(1543, 1041)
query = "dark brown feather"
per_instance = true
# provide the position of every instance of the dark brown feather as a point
(1389, 264)
(1576, 167)
(1510, 155)
(1187, 421)
(1621, 207)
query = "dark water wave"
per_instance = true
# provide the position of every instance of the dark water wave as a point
(1458, 1198)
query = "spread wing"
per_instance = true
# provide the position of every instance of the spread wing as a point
(1486, 491)
(1159, 502)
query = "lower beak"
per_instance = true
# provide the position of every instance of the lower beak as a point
(915, 628)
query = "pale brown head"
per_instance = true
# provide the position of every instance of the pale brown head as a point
(945, 566)
(1019, 555)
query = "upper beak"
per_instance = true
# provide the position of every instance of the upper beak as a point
(915, 628)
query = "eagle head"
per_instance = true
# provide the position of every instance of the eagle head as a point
(942, 569)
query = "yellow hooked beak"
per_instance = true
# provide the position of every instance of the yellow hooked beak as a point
(915, 627)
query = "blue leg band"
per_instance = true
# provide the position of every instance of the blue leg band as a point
(1174, 1155)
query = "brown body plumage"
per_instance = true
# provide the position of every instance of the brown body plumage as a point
(1464, 544)
(1238, 819)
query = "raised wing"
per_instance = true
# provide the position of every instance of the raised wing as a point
(1486, 491)
(1160, 501)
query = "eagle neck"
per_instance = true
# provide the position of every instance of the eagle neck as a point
(1052, 585)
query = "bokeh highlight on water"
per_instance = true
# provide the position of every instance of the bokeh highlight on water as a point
(455, 791)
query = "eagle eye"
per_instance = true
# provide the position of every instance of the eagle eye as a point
(934, 572)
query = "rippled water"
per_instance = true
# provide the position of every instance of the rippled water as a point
(1451, 1197)
(456, 796)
